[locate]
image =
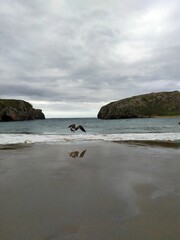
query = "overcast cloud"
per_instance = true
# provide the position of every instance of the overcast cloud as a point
(70, 57)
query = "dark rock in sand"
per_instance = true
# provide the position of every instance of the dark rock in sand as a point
(143, 106)
(18, 110)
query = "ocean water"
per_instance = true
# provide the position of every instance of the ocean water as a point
(56, 130)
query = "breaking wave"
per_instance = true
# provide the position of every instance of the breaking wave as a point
(52, 138)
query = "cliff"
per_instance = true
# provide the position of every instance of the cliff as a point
(18, 110)
(143, 106)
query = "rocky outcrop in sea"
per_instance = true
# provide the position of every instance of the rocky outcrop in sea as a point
(18, 110)
(143, 106)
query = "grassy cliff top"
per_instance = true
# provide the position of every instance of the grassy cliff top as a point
(146, 105)
(17, 104)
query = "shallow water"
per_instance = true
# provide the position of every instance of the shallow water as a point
(56, 130)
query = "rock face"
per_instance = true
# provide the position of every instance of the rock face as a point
(18, 110)
(143, 106)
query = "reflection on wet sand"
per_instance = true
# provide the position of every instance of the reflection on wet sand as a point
(117, 191)
(77, 154)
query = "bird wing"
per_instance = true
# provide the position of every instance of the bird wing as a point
(72, 126)
(81, 127)
(82, 154)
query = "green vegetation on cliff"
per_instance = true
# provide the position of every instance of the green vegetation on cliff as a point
(16, 104)
(142, 106)
(18, 110)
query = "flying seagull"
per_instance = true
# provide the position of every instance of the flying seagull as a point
(74, 128)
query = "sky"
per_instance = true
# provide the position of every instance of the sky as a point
(71, 57)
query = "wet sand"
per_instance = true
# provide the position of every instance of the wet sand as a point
(90, 191)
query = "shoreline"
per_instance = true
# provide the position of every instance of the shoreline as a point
(150, 143)
(14, 146)
(165, 116)
(89, 190)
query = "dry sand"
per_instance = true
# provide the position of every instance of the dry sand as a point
(90, 191)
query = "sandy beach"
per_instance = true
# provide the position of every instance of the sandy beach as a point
(90, 191)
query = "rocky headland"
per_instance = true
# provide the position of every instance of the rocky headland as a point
(158, 104)
(18, 110)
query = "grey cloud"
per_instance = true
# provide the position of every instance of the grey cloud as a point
(88, 51)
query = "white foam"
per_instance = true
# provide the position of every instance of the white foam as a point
(35, 138)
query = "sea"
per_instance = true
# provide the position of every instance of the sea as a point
(56, 131)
